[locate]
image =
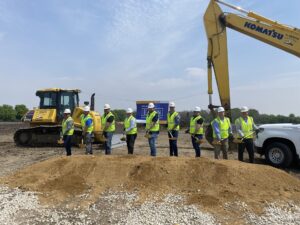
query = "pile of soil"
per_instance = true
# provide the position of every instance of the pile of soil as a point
(205, 182)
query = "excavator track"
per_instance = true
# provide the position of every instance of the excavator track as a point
(43, 136)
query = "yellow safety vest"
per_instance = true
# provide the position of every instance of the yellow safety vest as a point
(112, 126)
(171, 121)
(224, 126)
(193, 125)
(247, 127)
(149, 118)
(127, 125)
(64, 126)
(83, 122)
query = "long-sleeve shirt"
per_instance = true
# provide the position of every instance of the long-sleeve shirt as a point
(217, 129)
(239, 127)
(132, 125)
(68, 126)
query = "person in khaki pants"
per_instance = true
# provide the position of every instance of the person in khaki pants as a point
(221, 132)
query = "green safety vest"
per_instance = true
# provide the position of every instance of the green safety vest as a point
(247, 128)
(83, 121)
(112, 126)
(64, 126)
(193, 126)
(171, 121)
(149, 118)
(224, 126)
(127, 125)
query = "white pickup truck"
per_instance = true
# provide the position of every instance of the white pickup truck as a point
(280, 143)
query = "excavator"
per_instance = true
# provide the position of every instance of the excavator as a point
(216, 21)
(45, 121)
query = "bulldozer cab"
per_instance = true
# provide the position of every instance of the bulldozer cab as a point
(59, 99)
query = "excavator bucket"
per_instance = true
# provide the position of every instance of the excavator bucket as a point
(217, 53)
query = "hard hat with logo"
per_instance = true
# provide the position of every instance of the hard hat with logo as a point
(172, 104)
(244, 109)
(67, 111)
(221, 109)
(106, 106)
(151, 105)
(129, 110)
(197, 109)
(86, 108)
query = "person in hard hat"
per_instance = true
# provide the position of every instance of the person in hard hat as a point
(130, 129)
(246, 128)
(152, 127)
(87, 129)
(108, 125)
(221, 132)
(173, 120)
(67, 131)
(196, 130)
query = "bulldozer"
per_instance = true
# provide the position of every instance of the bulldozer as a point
(45, 121)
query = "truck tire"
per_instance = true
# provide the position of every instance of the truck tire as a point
(279, 154)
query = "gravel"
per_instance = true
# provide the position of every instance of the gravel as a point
(122, 208)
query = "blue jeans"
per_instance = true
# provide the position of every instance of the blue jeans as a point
(152, 142)
(88, 140)
(107, 143)
(173, 143)
(196, 145)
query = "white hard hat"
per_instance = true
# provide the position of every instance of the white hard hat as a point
(106, 106)
(197, 109)
(129, 110)
(151, 105)
(244, 109)
(86, 108)
(172, 104)
(221, 109)
(67, 111)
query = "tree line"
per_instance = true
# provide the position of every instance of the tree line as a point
(10, 113)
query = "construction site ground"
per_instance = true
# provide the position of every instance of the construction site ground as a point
(43, 186)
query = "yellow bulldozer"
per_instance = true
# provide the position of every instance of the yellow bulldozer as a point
(45, 121)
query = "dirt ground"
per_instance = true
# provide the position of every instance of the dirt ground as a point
(13, 157)
(225, 189)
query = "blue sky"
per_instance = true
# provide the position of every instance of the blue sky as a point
(128, 50)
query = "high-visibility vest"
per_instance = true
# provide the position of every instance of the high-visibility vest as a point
(149, 118)
(112, 126)
(224, 126)
(193, 125)
(127, 125)
(83, 122)
(64, 126)
(247, 127)
(171, 121)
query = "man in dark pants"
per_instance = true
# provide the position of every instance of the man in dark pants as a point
(245, 127)
(131, 130)
(108, 125)
(196, 130)
(173, 119)
(67, 131)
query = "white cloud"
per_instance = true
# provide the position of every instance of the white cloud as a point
(196, 72)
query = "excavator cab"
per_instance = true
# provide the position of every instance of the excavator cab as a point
(58, 99)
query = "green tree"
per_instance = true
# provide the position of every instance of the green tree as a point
(7, 113)
(20, 111)
(120, 114)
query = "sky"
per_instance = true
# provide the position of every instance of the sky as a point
(128, 50)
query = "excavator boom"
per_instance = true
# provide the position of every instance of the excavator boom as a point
(281, 36)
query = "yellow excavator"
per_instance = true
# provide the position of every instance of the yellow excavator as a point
(252, 24)
(45, 121)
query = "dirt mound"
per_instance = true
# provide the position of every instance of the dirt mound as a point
(205, 182)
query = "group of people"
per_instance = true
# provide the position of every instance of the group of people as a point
(221, 126)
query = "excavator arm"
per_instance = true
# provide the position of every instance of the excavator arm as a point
(271, 32)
